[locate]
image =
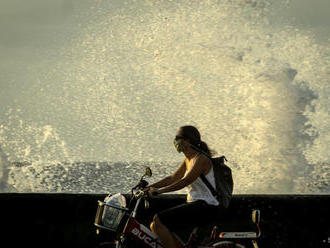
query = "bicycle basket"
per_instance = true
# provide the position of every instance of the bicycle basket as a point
(109, 216)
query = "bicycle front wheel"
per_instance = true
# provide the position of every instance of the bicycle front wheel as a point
(107, 245)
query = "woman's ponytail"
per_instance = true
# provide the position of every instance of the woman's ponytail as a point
(205, 148)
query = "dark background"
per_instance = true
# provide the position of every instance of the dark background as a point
(66, 220)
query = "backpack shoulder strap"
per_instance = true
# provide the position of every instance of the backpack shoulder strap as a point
(208, 184)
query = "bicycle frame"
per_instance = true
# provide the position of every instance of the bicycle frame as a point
(139, 231)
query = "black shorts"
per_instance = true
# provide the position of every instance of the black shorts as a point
(190, 214)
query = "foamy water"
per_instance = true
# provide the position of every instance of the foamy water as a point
(131, 74)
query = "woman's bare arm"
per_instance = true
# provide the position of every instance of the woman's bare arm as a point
(200, 166)
(177, 175)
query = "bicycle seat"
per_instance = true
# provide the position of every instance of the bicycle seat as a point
(241, 229)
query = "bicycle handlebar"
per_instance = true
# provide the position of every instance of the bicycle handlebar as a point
(139, 194)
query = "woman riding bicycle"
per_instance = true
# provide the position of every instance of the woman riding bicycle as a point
(201, 206)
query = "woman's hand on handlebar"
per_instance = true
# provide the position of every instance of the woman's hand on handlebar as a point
(146, 189)
(152, 192)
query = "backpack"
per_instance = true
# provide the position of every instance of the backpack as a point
(223, 181)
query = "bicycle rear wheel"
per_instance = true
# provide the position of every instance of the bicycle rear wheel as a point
(227, 244)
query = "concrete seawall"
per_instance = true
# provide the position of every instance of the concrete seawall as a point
(66, 220)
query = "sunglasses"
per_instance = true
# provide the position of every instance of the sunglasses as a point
(177, 137)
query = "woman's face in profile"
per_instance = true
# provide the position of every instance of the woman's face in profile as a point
(180, 141)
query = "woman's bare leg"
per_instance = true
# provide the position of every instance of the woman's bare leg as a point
(165, 236)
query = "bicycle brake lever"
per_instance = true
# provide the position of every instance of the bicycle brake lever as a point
(146, 204)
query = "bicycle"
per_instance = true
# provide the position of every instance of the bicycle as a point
(115, 215)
